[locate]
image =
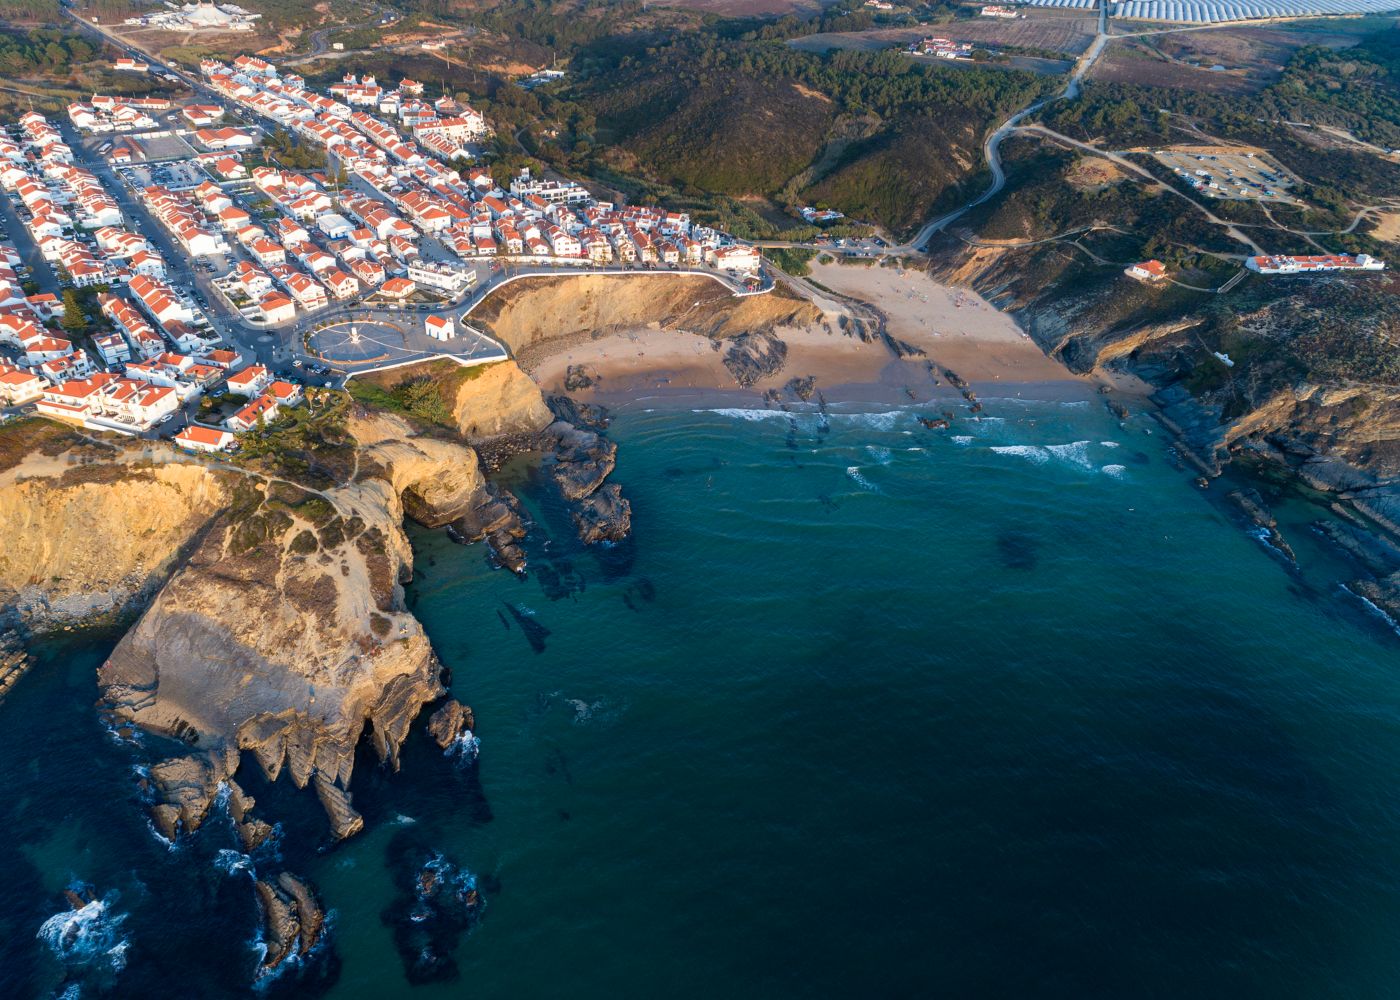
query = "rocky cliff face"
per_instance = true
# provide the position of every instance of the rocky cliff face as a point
(86, 539)
(284, 632)
(499, 400)
(529, 313)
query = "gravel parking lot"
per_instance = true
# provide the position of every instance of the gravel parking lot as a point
(1238, 176)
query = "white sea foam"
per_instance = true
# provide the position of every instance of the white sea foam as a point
(230, 862)
(465, 748)
(885, 421)
(743, 413)
(854, 472)
(1115, 471)
(169, 844)
(1076, 453)
(1375, 609)
(1108, 444)
(88, 937)
(1032, 454)
(962, 439)
(402, 820)
(880, 454)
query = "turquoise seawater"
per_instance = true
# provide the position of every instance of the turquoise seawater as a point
(1012, 709)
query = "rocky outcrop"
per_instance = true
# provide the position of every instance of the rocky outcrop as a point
(590, 416)
(604, 516)
(583, 459)
(284, 633)
(293, 921)
(1377, 557)
(437, 903)
(185, 788)
(755, 356)
(252, 832)
(496, 519)
(14, 661)
(450, 722)
(579, 377)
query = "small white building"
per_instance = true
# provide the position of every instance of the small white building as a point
(251, 381)
(440, 327)
(197, 437)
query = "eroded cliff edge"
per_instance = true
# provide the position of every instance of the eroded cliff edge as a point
(284, 633)
(272, 629)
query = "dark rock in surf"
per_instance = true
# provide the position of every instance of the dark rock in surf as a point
(606, 516)
(1252, 504)
(755, 356)
(293, 921)
(496, 519)
(14, 661)
(578, 377)
(437, 903)
(802, 388)
(449, 722)
(587, 415)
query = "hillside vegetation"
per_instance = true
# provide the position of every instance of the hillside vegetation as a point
(746, 117)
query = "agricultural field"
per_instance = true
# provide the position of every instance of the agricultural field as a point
(1242, 60)
(1049, 31)
(1140, 62)
(747, 8)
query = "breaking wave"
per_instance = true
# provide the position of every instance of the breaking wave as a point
(854, 472)
(884, 421)
(744, 413)
(1374, 608)
(231, 862)
(881, 454)
(464, 748)
(1031, 453)
(1115, 471)
(1076, 453)
(962, 439)
(88, 938)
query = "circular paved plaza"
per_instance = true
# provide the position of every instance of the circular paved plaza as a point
(358, 342)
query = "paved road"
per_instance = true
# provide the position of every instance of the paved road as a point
(991, 149)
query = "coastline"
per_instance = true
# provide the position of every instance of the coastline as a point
(955, 328)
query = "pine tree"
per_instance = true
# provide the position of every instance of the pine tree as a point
(73, 319)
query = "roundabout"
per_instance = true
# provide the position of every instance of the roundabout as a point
(358, 342)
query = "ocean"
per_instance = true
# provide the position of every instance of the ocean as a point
(1008, 709)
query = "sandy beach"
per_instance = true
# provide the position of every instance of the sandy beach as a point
(955, 327)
